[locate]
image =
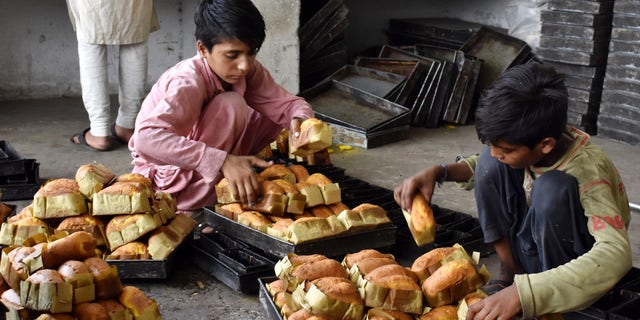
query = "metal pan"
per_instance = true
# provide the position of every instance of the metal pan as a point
(376, 82)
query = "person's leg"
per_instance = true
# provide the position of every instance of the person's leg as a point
(555, 224)
(501, 203)
(95, 92)
(132, 80)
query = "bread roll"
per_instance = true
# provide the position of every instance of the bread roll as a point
(350, 259)
(92, 178)
(105, 278)
(45, 290)
(59, 198)
(278, 171)
(422, 224)
(115, 310)
(123, 229)
(451, 282)
(17, 232)
(331, 297)
(122, 198)
(85, 222)
(330, 191)
(300, 172)
(427, 263)
(134, 250)
(254, 220)
(77, 274)
(296, 201)
(90, 310)
(447, 312)
(315, 135)
(141, 306)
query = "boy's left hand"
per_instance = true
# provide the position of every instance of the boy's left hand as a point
(504, 304)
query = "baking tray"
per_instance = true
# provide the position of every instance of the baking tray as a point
(336, 102)
(149, 268)
(272, 311)
(21, 186)
(367, 140)
(308, 28)
(498, 51)
(335, 246)
(376, 82)
(454, 31)
(331, 30)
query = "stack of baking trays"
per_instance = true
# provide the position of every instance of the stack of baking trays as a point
(620, 104)
(19, 177)
(238, 255)
(323, 49)
(358, 103)
(461, 59)
(574, 38)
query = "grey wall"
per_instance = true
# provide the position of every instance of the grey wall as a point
(39, 54)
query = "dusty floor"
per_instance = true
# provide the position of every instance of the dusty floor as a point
(41, 129)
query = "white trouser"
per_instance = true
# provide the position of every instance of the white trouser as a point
(94, 80)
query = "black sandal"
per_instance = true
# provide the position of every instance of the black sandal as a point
(114, 136)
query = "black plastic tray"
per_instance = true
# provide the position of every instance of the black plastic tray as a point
(383, 236)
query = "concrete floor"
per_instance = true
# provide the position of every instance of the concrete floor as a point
(41, 129)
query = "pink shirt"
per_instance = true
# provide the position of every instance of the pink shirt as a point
(170, 117)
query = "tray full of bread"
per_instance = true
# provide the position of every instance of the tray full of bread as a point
(372, 284)
(135, 229)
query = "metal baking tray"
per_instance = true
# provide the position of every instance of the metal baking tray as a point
(335, 246)
(273, 313)
(498, 51)
(367, 140)
(336, 102)
(308, 28)
(149, 268)
(379, 83)
(331, 30)
(413, 70)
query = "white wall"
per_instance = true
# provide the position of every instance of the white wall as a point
(39, 54)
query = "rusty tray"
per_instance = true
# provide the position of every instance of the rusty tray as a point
(498, 51)
(339, 103)
(380, 83)
(336, 246)
(367, 140)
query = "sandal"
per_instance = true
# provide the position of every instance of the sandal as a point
(115, 137)
(81, 140)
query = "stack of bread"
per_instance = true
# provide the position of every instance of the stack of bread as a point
(59, 276)
(370, 284)
(127, 219)
(297, 206)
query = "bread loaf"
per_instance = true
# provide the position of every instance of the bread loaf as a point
(123, 229)
(13, 269)
(5, 210)
(296, 201)
(447, 312)
(115, 310)
(90, 310)
(300, 172)
(394, 291)
(330, 191)
(331, 297)
(86, 222)
(365, 215)
(385, 314)
(50, 255)
(16, 232)
(77, 274)
(306, 229)
(134, 250)
(92, 178)
(231, 210)
(59, 198)
(312, 193)
(255, 220)
(278, 171)
(315, 135)
(420, 220)
(122, 198)
(350, 259)
(429, 262)
(224, 194)
(451, 282)
(273, 201)
(141, 306)
(45, 290)
(26, 212)
(56, 316)
(105, 278)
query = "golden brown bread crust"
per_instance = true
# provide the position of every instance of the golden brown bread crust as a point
(76, 246)
(231, 210)
(125, 188)
(321, 211)
(135, 250)
(368, 265)
(318, 179)
(71, 268)
(300, 172)
(276, 286)
(287, 186)
(303, 314)
(385, 314)
(26, 212)
(31, 221)
(56, 316)
(451, 282)
(421, 213)
(368, 208)
(305, 258)
(352, 258)
(18, 270)
(254, 219)
(277, 171)
(391, 269)
(5, 210)
(396, 281)
(90, 310)
(339, 288)
(45, 276)
(58, 187)
(427, 263)
(337, 207)
(105, 278)
(138, 303)
(134, 177)
(447, 312)
(85, 222)
(118, 223)
(115, 309)
(318, 269)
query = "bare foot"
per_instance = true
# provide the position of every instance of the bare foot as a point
(123, 133)
(97, 143)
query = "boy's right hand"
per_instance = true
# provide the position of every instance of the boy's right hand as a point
(423, 182)
(243, 179)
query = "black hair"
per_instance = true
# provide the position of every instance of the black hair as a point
(526, 104)
(222, 20)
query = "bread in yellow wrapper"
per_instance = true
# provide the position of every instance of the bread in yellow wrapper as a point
(385, 314)
(140, 305)
(254, 220)
(135, 177)
(429, 262)
(90, 310)
(285, 266)
(224, 194)
(452, 281)
(123, 229)
(59, 198)
(296, 201)
(446, 312)
(420, 220)
(303, 314)
(350, 259)
(280, 229)
(55, 316)
(46, 290)
(312, 193)
(364, 216)
(13, 269)
(77, 274)
(468, 300)
(26, 212)
(300, 172)
(273, 201)
(165, 205)
(76, 246)
(330, 190)
(125, 197)
(331, 297)
(365, 266)
(306, 229)
(295, 269)
(230, 210)
(115, 310)
(105, 278)
(393, 291)
(315, 135)
(165, 239)
(16, 232)
(92, 178)
(278, 171)
(86, 222)
(134, 250)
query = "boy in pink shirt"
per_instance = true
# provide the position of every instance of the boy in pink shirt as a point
(208, 116)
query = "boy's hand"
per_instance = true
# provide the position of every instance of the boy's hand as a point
(294, 127)
(243, 180)
(423, 182)
(503, 305)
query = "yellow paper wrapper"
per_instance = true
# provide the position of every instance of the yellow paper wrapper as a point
(143, 225)
(409, 301)
(65, 205)
(354, 219)
(313, 195)
(296, 203)
(94, 180)
(317, 302)
(421, 237)
(331, 193)
(112, 204)
(271, 203)
(53, 297)
(11, 234)
(315, 228)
